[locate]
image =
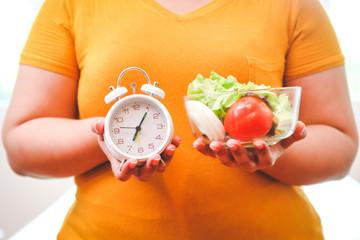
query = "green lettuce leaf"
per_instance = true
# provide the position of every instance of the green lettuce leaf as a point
(219, 104)
(216, 83)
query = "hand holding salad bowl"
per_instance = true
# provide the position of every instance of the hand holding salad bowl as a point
(243, 125)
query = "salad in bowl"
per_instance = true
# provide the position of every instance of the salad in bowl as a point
(221, 108)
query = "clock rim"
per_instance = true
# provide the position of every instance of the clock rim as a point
(116, 152)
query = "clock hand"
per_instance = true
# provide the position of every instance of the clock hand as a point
(142, 119)
(138, 137)
(128, 127)
(138, 128)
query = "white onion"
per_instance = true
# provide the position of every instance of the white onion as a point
(205, 120)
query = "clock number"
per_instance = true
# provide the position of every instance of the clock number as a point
(119, 119)
(156, 115)
(136, 107)
(120, 141)
(158, 137)
(129, 148)
(151, 145)
(126, 111)
(147, 108)
(116, 130)
(140, 150)
(160, 126)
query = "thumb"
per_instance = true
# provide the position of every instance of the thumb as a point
(97, 126)
(300, 133)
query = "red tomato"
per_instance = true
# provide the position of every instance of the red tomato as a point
(248, 118)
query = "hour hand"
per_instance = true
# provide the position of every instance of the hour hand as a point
(138, 128)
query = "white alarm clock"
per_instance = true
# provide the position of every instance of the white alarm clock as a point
(137, 126)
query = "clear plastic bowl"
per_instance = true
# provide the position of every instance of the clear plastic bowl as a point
(209, 125)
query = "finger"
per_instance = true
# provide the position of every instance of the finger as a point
(168, 152)
(176, 141)
(241, 156)
(97, 127)
(200, 145)
(222, 154)
(146, 171)
(264, 155)
(166, 156)
(126, 170)
(299, 133)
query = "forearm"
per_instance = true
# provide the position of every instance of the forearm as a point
(53, 147)
(325, 154)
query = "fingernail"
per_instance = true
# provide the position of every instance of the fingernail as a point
(214, 149)
(155, 162)
(259, 145)
(303, 132)
(195, 143)
(95, 129)
(172, 148)
(233, 147)
(133, 164)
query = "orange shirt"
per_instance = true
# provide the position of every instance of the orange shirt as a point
(196, 198)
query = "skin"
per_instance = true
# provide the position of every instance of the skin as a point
(331, 140)
(322, 147)
(36, 148)
(142, 171)
(58, 152)
(183, 6)
(327, 131)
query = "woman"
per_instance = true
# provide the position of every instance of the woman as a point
(77, 48)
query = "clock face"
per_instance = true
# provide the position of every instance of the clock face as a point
(138, 127)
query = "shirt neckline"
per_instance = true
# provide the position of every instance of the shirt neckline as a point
(196, 13)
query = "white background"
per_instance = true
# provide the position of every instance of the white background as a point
(23, 198)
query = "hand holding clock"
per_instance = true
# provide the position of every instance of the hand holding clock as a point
(130, 166)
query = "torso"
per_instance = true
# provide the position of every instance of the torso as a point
(197, 197)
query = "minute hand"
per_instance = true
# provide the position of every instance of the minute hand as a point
(138, 128)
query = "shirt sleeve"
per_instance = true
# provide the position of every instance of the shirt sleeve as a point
(313, 44)
(50, 44)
